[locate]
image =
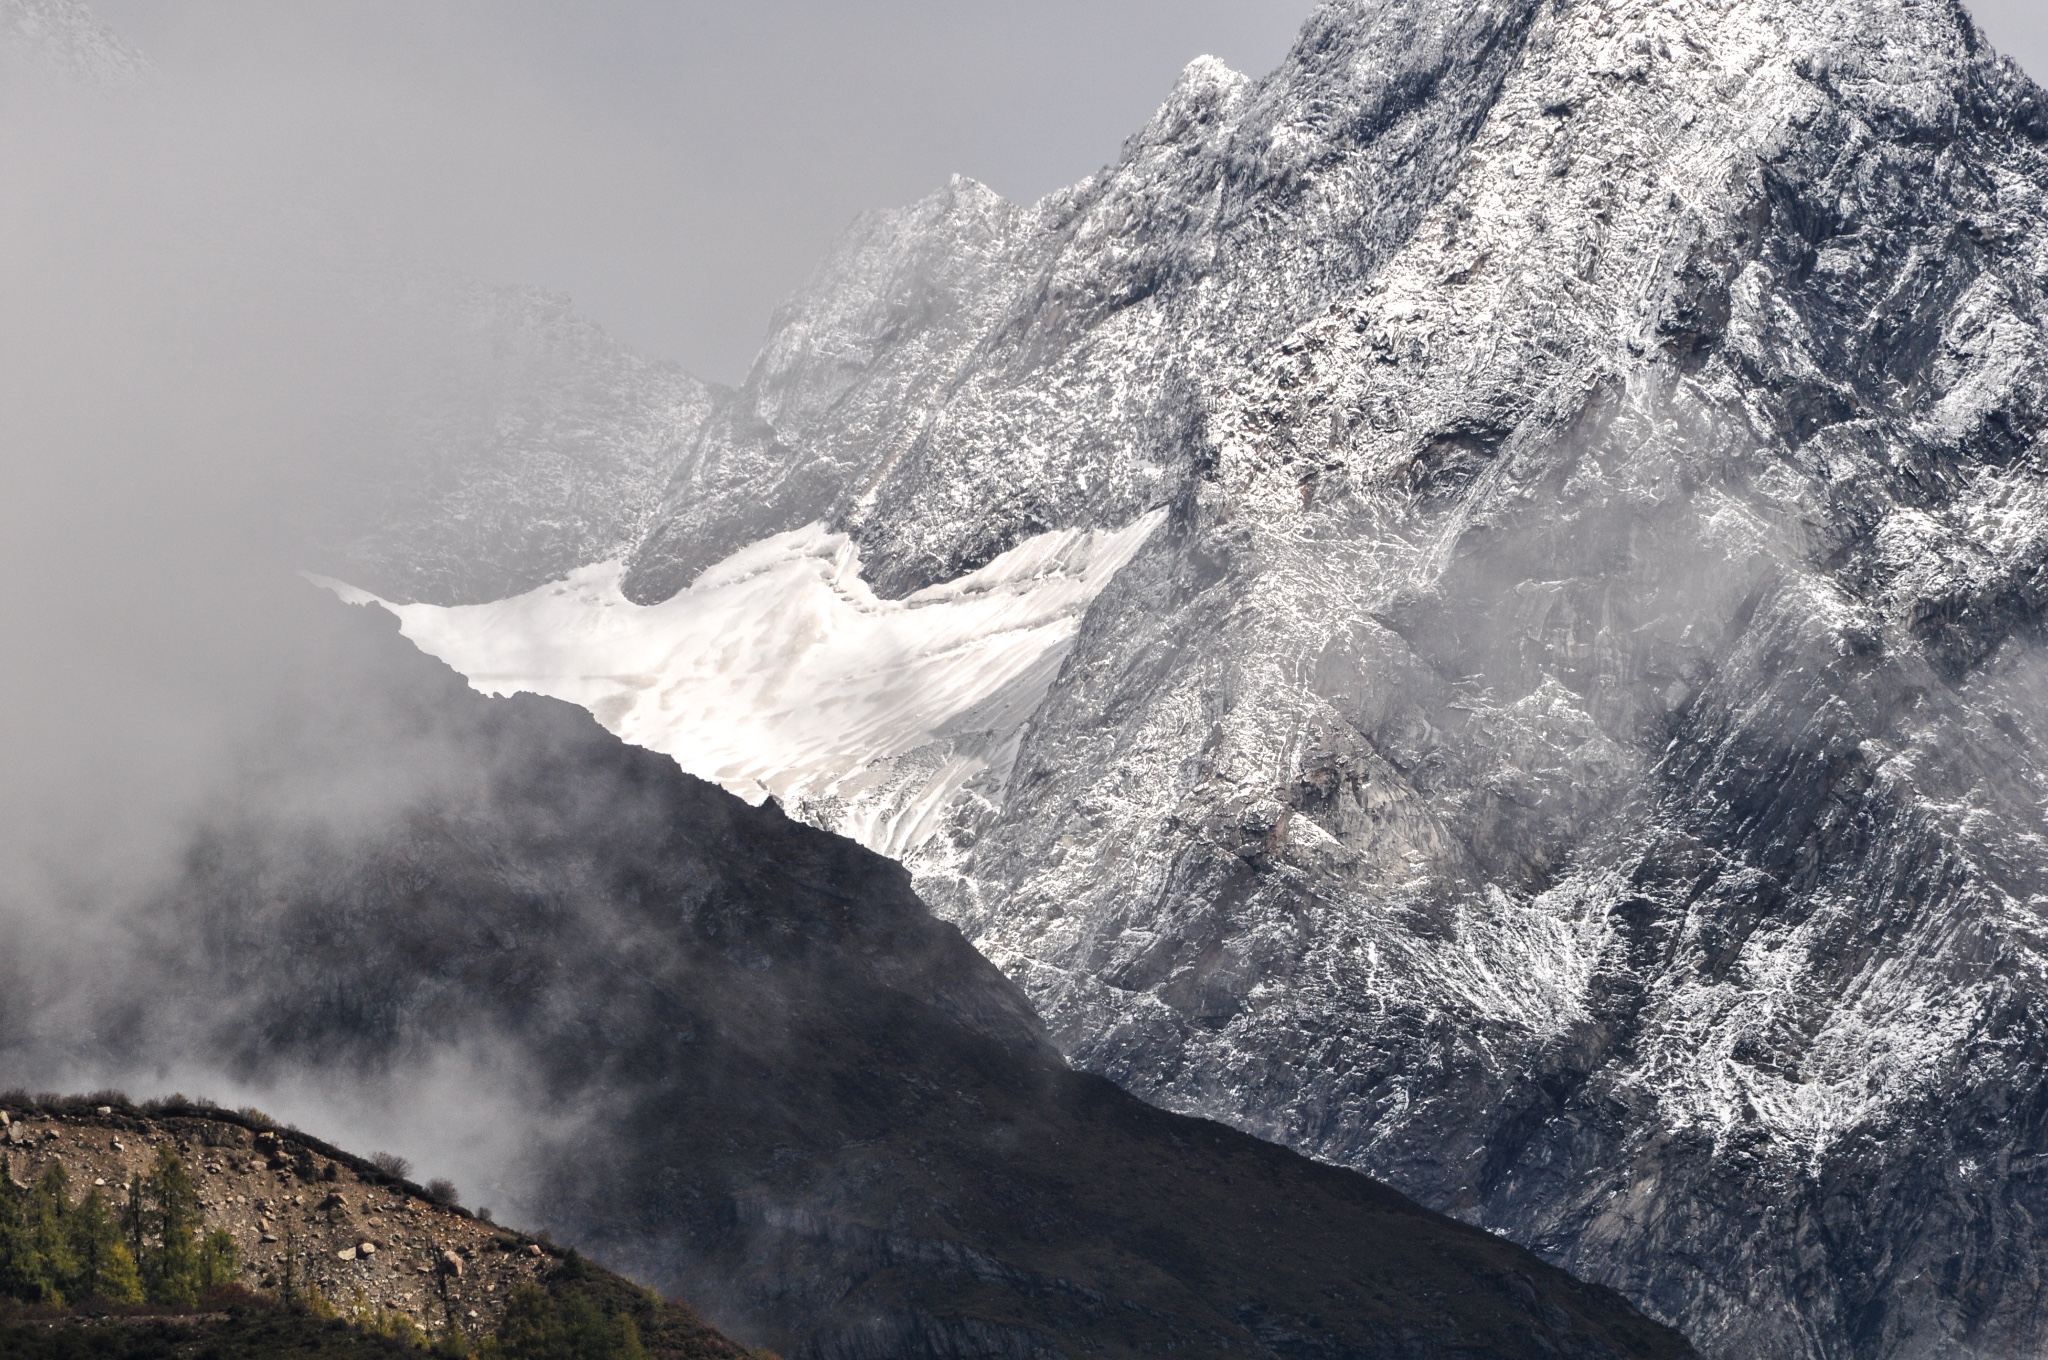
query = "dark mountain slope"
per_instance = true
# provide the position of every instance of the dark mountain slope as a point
(762, 1077)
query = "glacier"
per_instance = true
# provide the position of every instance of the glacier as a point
(780, 673)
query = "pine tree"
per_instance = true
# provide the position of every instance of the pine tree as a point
(538, 1327)
(135, 1219)
(47, 1215)
(219, 1259)
(52, 1250)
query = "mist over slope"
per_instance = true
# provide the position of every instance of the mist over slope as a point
(1572, 748)
(731, 1054)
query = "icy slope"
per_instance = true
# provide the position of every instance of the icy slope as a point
(780, 672)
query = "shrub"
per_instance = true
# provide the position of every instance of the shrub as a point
(442, 1191)
(538, 1326)
(380, 1321)
(391, 1164)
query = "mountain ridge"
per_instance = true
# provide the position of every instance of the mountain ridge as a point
(322, 1230)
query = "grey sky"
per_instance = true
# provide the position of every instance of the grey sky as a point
(679, 166)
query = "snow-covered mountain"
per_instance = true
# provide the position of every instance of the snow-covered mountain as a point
(1573, 747)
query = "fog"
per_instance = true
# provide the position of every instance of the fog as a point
(211, 347)
(215, 340)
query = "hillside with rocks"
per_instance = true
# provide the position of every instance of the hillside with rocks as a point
(316, 1234)
(314, 1223)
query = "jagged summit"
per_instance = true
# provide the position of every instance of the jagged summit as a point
(1573, 746)
(1208, 91)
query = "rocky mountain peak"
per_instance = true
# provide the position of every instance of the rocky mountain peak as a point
(1571, 746)
(1207, 92)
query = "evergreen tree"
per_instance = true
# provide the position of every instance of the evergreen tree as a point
(170, 1267)
(52, 1250)
(219, 1259)
(48, 1216)
(104, 1265)
(531, 1328)
(595, 1334)
(22, 1275)
(135, 1219)
(538, 1327)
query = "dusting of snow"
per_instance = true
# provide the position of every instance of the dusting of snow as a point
(1579, 756)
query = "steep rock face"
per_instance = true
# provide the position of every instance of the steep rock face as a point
(1573, 748)
(757, 1072)
(1573, 751)
(850, 373)
(981, 374)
